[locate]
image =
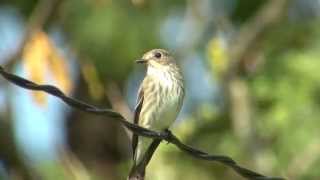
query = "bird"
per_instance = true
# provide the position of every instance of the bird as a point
(160, 98)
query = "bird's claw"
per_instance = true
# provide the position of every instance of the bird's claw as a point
(167, 134)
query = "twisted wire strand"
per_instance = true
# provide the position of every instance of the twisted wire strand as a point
(167, 135)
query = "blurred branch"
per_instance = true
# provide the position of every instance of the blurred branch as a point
(117, 101)
(269, 14)
(240, 109)
(43, 11)
(167, 135)
(119, 104)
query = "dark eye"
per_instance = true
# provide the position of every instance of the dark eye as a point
(157, 55)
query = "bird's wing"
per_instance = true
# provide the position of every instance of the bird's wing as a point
(136, 119)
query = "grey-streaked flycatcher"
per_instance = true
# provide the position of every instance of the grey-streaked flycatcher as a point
(160, 98)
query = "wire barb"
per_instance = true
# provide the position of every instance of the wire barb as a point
(166, 135)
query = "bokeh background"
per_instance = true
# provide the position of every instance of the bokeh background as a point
(251, 70)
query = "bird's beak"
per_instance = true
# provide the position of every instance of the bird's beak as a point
(141, 61)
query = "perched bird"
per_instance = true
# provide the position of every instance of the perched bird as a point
(160, 98)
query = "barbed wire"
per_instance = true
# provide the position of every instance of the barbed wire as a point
(167, 135)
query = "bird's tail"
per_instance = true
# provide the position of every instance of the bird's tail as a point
(137, 171)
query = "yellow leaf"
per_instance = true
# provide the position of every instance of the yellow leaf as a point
(89, 72)
(59, 70)
(217, 54)
(41, 59)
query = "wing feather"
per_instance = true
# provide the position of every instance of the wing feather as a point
(136, 120)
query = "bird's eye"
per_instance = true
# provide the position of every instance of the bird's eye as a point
(157, 55)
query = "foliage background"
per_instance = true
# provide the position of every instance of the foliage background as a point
(263, 111)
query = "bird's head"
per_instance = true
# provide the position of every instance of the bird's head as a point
(157, 58)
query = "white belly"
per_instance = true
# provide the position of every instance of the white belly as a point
(168, 113)
(166, 106)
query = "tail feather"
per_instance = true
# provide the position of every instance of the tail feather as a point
(137, 171)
